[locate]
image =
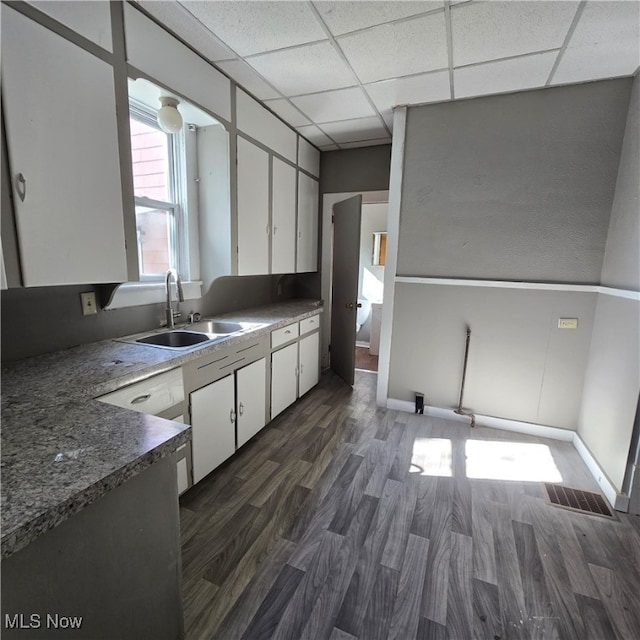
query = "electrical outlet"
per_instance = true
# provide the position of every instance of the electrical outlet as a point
(88, 301)
(567, 323)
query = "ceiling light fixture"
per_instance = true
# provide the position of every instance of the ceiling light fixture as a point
(169, 117)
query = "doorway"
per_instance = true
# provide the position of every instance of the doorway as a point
(329, 200)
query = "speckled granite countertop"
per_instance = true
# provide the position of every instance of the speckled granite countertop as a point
(62, 450)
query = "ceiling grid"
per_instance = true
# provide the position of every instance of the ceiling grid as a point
(334, 70)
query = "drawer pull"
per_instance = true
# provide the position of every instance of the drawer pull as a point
(140, 399)
(312, 321)
(287, 332)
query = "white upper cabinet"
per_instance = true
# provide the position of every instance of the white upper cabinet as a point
(62, 139)
(155, 52)
(253, 209)
(308, 157)
(259, 123)
(308, 193)
(283, 233)
(90, 19)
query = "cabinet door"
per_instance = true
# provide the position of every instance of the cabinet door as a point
(251, 399)
(283, 235)
(253, 209)
(309, 362)
(307, 258)
(284, 378)
(213, 426)
(62, 137)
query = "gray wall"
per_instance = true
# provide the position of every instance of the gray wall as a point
(621, 267)
(515, 187)
(521, 366)
(362, 169)
(45, 319)
(612, 382)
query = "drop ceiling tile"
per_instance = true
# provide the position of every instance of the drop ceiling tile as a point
(605, 43)
(187, 27)
(343, 104)
(365, 143)
(255, 27)
(247, 78)
(288, 112)
(314, 135)
(427, 87)
(485, 31)
(398, 49)
(514, 74)
(355, 130)
(314, 67)
(343, 17)
(387, 116)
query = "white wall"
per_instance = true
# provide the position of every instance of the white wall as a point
(370, 277)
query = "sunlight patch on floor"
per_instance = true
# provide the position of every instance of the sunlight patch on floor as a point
(432, 457)
(522, 461)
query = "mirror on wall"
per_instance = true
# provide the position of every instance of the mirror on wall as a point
(379, 248)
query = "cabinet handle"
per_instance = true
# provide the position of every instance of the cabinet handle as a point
(267, 229)
(312, 321)
(241, 409)
(288, 331)
(296, 372)
(140, 399)
(301, 368)
(21, 187)
(232, 415)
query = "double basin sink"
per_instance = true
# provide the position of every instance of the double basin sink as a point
(197, 333)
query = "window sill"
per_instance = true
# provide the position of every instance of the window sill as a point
(135, 294)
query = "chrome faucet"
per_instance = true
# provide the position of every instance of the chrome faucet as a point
(171, 314)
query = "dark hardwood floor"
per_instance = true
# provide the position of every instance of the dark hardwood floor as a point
(343, 521)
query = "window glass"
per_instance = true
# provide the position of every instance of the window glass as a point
(154, 188)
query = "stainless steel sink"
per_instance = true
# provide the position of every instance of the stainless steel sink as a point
(175, 339)
(219, 327)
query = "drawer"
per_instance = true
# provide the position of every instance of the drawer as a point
(224, 361)
(284, 335)
(309, 324)
(152, 396)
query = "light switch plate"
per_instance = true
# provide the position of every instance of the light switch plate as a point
(567, 323)
(88, 303)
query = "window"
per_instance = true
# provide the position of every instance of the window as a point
(158, 163)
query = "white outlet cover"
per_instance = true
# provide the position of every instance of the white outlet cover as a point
(567, 323)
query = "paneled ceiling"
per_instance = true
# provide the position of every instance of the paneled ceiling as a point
(335, 70)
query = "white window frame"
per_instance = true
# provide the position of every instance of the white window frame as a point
(177, 204)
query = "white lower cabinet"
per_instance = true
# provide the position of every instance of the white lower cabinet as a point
(284, 378)
(309, 363)
(213, 426)
(252, 400)
(229, 411)
(296, 367)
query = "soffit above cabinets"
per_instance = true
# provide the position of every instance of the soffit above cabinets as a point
(335, 70)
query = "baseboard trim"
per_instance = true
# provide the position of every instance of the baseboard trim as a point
(618, 501)
(360, 343)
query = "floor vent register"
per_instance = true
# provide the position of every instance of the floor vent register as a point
(577, 500)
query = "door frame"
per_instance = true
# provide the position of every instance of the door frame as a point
(328, 200)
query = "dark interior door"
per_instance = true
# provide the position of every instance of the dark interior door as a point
(346, 261)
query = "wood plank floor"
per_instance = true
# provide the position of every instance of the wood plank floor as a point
(342, 521)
